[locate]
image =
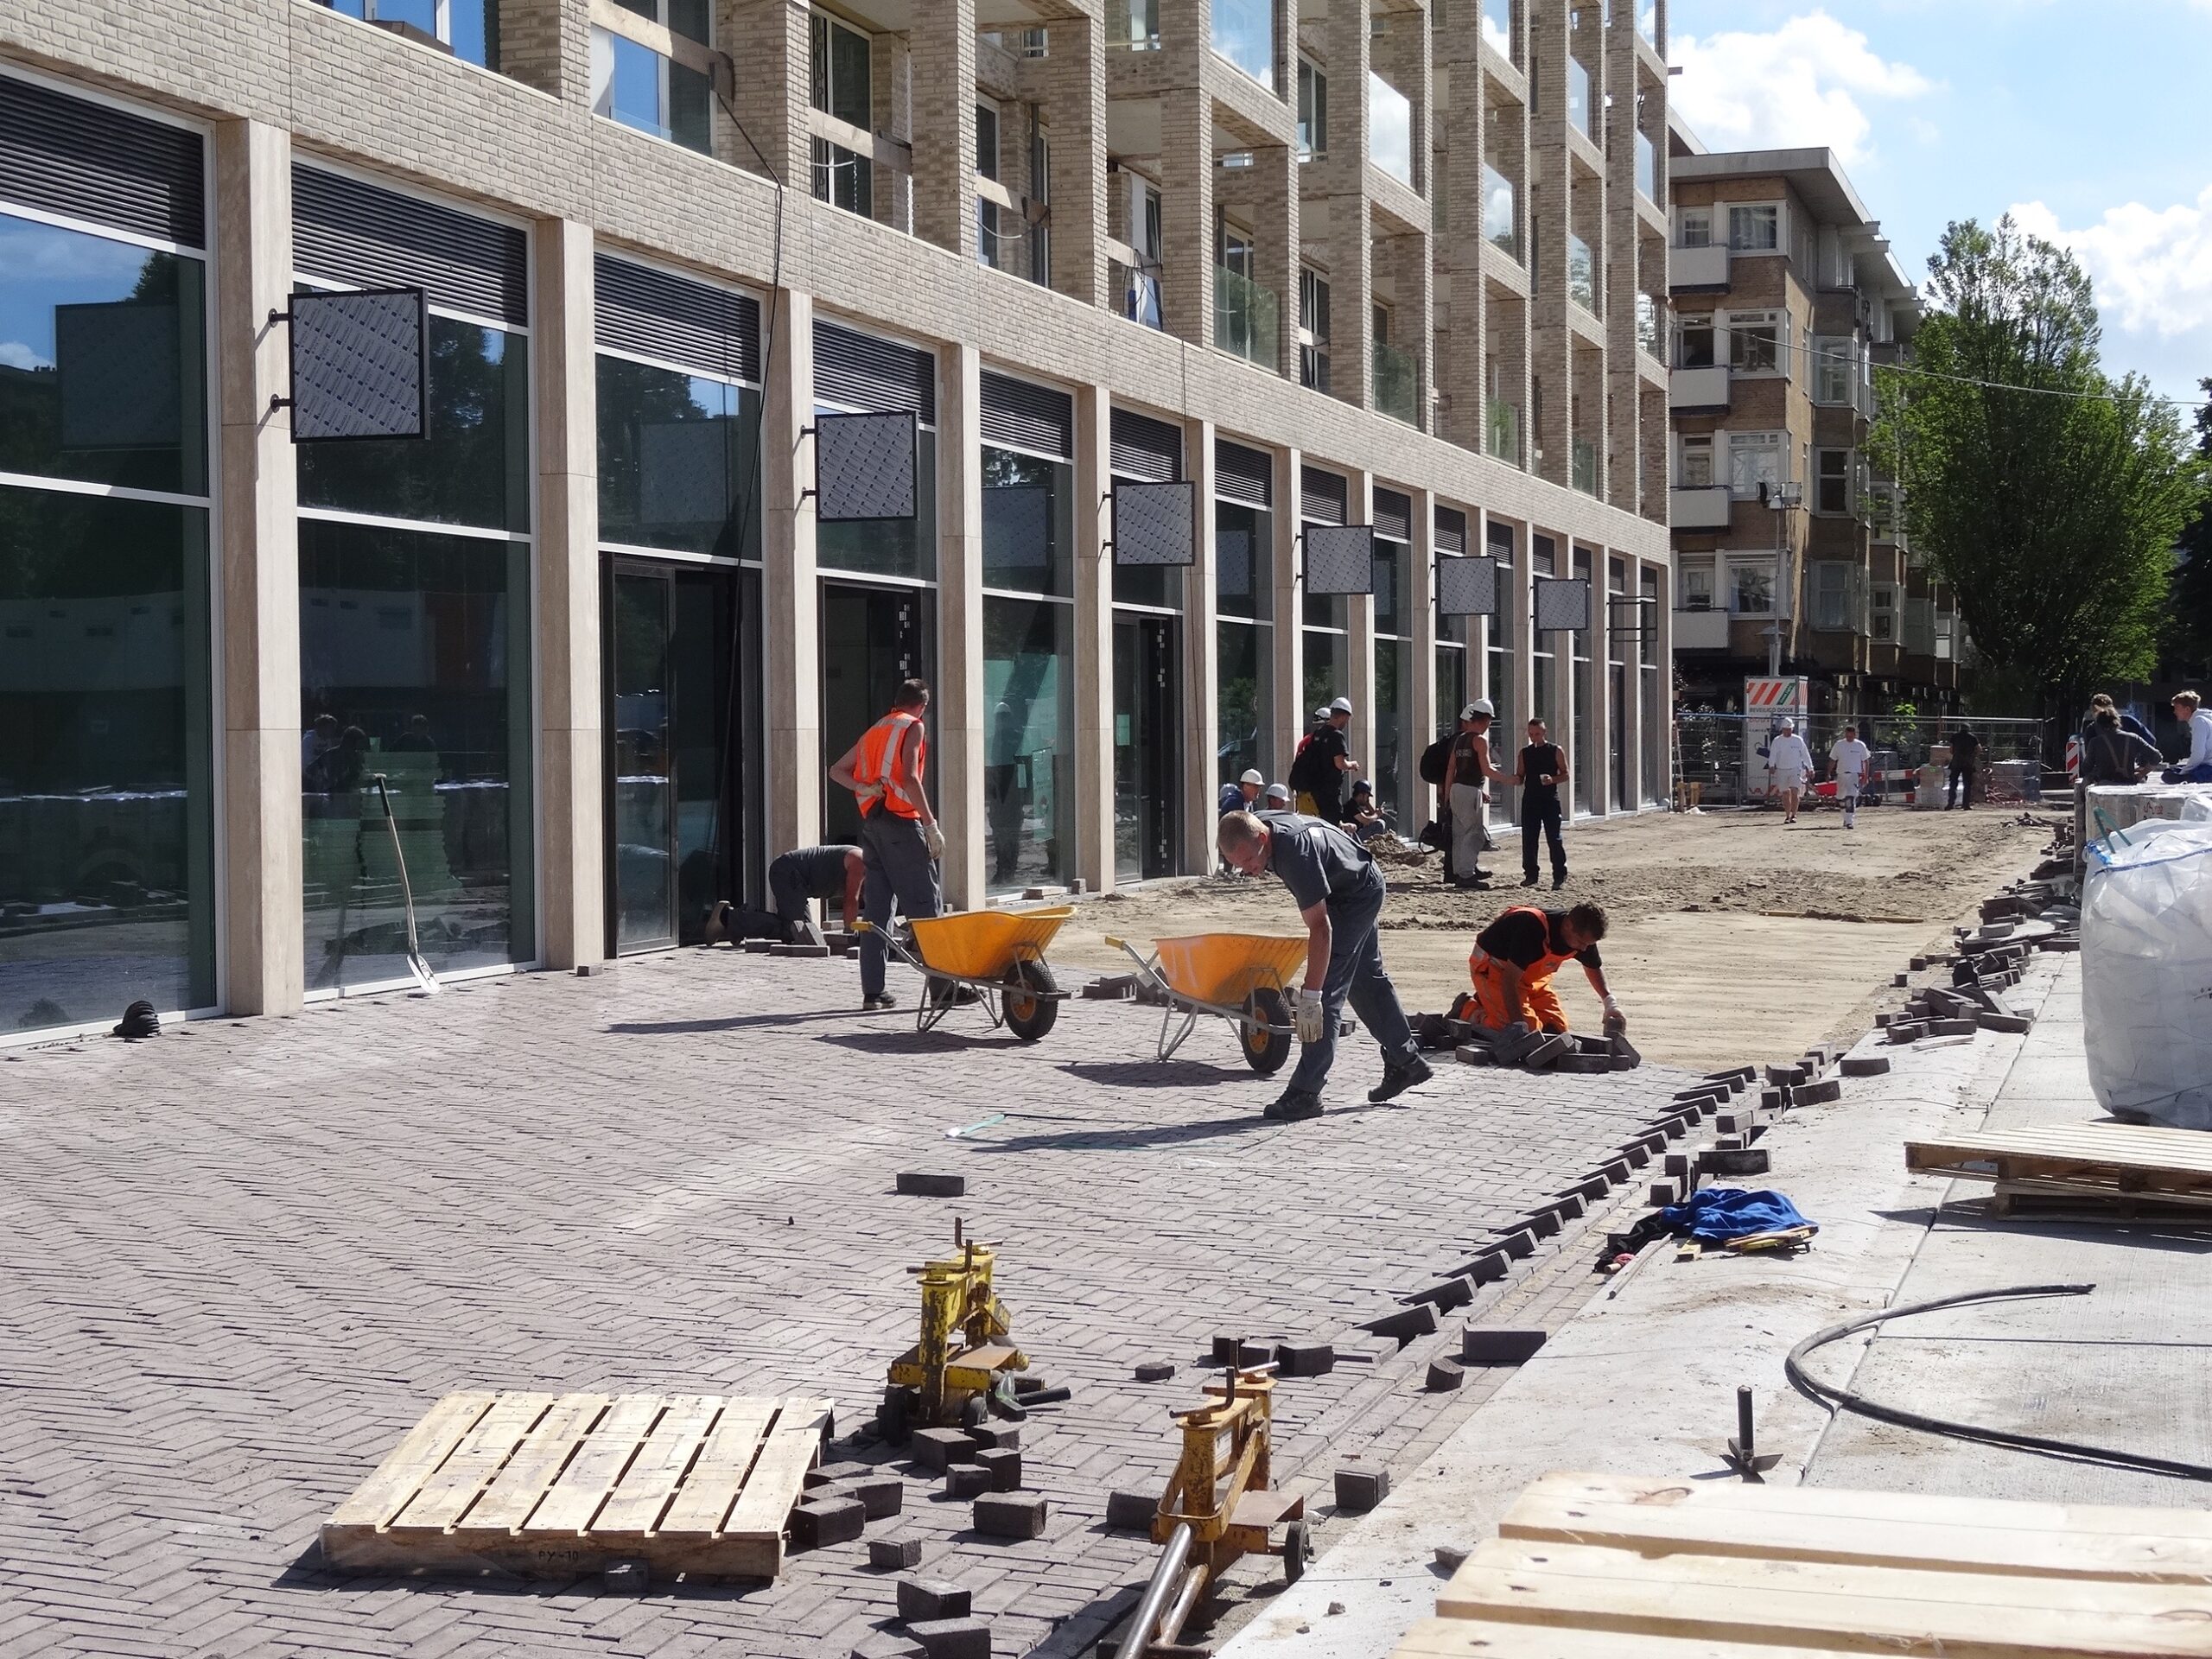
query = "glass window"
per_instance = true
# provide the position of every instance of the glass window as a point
(1582, 274)
(1583, 757)
(1696, 227)
(102, 361)
(1312, 111)
(474, 468)
(1243, 703)
(106, 860)
(1697, 463)
(1498, 676)
(1579, 113)
(1132, 25)
(472, 27)
(1755, 342)
(1393, 779)
(1647, 167)
(1244, 33)
(1501, 221)
(1693, 343)
(1389, 129)
(414, 665)
(1243, 550)
(839, 71)
(888, 547)
(1393, 566)
(1832, 481)
(1498, 27)
(1755, 230)
(1028, 523)
(1832, 368)
(1328, 671)
(1751, 586)
(1312, 328)
(1696, 578)
(1756, 458)
(638, 88)
(678, 462)
(1028, 777)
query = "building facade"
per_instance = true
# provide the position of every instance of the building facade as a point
(1791, 556)
(581, 655)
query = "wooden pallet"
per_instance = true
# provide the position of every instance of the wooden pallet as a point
(2083, 1159)
(558, 1486)
(1591, 1566)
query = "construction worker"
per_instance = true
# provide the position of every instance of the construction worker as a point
(1514, 960)
(799, 877)
(1242, 795)
(900, 842)
(1339, 893)
(1791, 763)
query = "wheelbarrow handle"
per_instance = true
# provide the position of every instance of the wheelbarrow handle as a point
(1149, 966)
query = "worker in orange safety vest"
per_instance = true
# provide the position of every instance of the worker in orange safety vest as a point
(900, 842)
(1514, 960)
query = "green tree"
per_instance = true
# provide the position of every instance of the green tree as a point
(2048, 495)
(2189, 620)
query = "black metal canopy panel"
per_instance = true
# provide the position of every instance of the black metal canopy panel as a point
(1340, 558)
(865, 467)
(1562, 604)
(1466, 586)
(360, 365)
(1154, 524)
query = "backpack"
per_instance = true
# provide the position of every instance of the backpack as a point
(1436, 762)
(1301, 779)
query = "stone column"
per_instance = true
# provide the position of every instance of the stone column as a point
(547, 44)
(572, 795)
(791, 595)
(1093, 668)
(1201, 655)
(1187, 252)
(1459, 239)
(264, 919)
(1275, 230)
(960, 711)
(1340, 178)
(1075, 110)
(1550, 195)
(1359, 646)
(943, 39)
(769, 42)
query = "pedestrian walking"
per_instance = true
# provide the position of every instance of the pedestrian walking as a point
(900, 842)
(1966, 758)
(1791, 763)
(1340, 890)
(1537, 775)
(1847, 761)
(1471, 768)
(2197, 768)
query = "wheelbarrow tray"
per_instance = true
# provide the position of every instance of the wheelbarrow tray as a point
(1221, 969)
(984, 945)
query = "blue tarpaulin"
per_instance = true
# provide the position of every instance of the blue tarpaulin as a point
(1719, 1213)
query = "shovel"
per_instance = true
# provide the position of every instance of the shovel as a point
(417, 965)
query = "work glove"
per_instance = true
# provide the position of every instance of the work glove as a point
(1616, 1021)
(933, 838)
(868, 794)
(1306, 1009)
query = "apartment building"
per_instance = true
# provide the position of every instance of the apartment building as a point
(1791, 555)
(579, 645)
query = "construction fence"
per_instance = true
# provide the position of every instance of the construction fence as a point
(1720, 759)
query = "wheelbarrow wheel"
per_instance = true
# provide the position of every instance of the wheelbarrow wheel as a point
(1297, 1546)
(1264, 1051)
(1031, 1011)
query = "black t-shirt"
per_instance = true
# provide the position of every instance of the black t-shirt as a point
(1518, 938)
(817, 870)
(1317, 862)
(1965, 748)
(1540, 760)
(1464, 769)
(1328, 787)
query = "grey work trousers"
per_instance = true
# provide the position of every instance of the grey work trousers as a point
(899, 867)
(1357, 974)
(1470, 836)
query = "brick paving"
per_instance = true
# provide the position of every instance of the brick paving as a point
(240, 1261)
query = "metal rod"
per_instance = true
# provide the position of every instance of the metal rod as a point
(1170, 1628)
(1744, 1424)
(1164, 1581)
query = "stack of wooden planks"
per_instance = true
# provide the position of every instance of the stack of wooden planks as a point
(1604, 1566)
(2095, 1161)
(557, 1486)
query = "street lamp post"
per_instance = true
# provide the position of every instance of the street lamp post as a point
(1782, 497)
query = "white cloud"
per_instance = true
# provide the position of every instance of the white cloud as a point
(14, 355)
(2152, 266)
(1796, 87)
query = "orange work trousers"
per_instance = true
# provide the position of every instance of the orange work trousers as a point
(1543, 1009)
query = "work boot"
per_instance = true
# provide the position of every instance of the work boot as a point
(1294, 1105)
(1559, 880)
(1530, 879)
(1396, 1080)
(879, 1002)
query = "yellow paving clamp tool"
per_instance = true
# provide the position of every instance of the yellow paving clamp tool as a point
(1216, 1509)
(963, 1361)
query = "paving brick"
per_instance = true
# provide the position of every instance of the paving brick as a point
(894, 1552)
(953, 1638)
(1358, 1491)
(933, 1599)
(940, 1448)
(1001, 1466)
(1480, 1345)
(1010, 1514)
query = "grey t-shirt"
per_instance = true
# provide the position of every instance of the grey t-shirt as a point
(1317, 862)
(817, 870)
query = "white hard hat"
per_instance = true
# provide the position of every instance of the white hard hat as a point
(1322, 713)
(1788, 725)
(1278, 792)
(1251, 776)
(1341, 706)
(1481, 707)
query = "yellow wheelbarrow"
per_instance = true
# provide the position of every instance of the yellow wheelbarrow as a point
(998, 955)
(1240, 976)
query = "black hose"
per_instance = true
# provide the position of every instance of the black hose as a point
(1851, 1400)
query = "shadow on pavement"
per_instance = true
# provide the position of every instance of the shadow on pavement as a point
(1156, 1074)
(734, 1022)
(919, 1042)
(306, 1571)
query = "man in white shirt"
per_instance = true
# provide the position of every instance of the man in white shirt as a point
(2197, 769)
(1791, 762)
(1847, 760)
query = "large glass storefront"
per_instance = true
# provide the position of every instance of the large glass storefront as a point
(1500, 637)
(1458, 642)
(106, 777)
(1395, 750)
(1149, 722)
(1581, 747)
(1544, 658)
(1658, 736)
(1619, 618)
(415, 623)
(1325, 656)
(1243, 579)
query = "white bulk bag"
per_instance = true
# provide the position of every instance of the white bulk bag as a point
(2147, 972)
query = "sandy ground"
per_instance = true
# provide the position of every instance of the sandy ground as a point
(1734, 940)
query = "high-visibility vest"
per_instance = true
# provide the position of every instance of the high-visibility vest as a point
(1545, 966)
(878, 744)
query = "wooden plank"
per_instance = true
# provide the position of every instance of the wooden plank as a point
(1815, 1603)
(718, 1476)
(591, 1474)
(658, 1470)
(1820, 1523)
(446, 1496)
(557, 1556)
(530, 1474)
(418, 1456)
(2158, 1148)
(1483, 1638)
(774, 1486)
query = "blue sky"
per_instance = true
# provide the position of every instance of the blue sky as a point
(2092, 122)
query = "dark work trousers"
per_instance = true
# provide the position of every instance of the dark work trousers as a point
(793, 903)
(899, 867)
(1357, 974)
(1960, 792)
(1541, 817)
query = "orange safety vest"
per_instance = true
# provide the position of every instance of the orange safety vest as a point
(878, 744)
(1540, 971)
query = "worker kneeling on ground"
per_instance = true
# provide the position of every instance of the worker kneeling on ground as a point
(1340, 890)
(1514, 960)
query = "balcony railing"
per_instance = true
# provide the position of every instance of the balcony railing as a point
(1706, 388)
(1398, 384)
(1502, 429)
(1583, 465)
(1698, 506)
(1136, 292)
(1698, 267)
(1245, 317)
(1647, 167)
(1582, 275)
(1498, 27)
(1501, 215)
(1701, 630)
(1132, 25)
(1650, 337)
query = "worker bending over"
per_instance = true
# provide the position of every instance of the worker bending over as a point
(799, 877)
(900, 838)
(1514, 960)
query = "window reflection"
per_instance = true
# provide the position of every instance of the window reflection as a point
(1028, 777)
(1244, 33)
(676, 461)
(888, 547)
